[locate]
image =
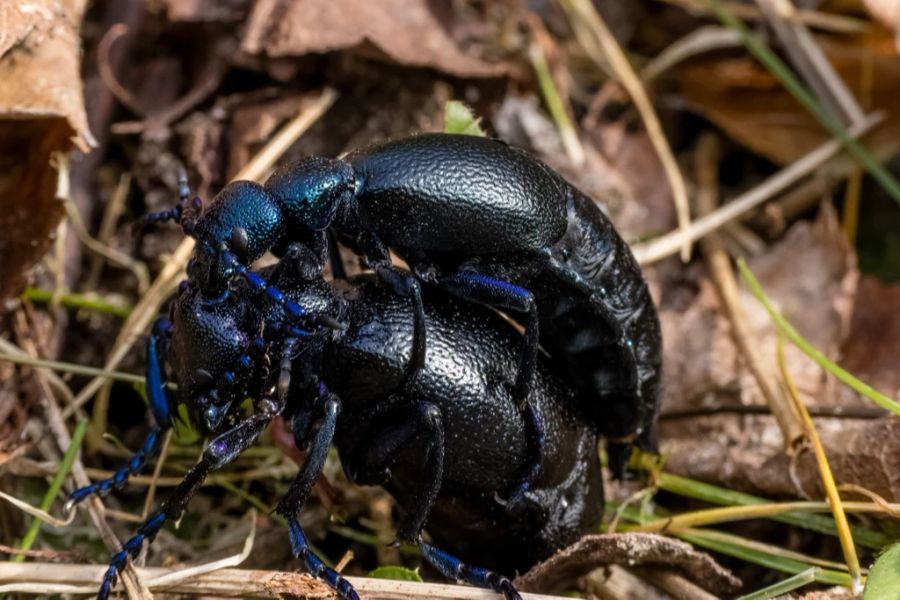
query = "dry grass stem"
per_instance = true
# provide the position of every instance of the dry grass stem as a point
(599, 42)
(701, 40)
(670, 243)
(809, 59)
(834, 498)
(825, 21)
(722, 274)
(728, 514)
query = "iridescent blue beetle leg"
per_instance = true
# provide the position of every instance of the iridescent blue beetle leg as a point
(296, 496)
(497, 293)
(454, 569)
(160, 404)
(221, 450)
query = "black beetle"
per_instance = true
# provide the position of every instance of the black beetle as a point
(444, 443)
(484, 221)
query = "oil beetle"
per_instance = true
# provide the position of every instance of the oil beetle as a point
(484, 221)
(443, 442)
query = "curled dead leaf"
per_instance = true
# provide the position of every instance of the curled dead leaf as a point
(41, 112)
(631, 550)
(280, 28)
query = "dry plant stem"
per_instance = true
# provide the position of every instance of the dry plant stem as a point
(728, 514)
(104, 65)
(834, 498)
(55, 578)
(151, 491)
(808, 58)
(701, 40)
(821, 20)
(94, 507)
(166, 282)
(670, 243)
(116, 257)
(590, 30)
(673, 584)
(722, 274)
(111, 215)
(555, 96)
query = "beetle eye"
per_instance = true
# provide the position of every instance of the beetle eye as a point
(240, 242)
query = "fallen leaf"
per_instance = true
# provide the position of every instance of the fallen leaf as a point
(41, 112)
(870, 351)
(750, 104)
(865, 453)
(280, 28)
(631, 550)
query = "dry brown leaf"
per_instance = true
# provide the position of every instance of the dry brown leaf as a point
(751, 106)
(865, 453)
(811, 277)
(628, 549)
(888, 12)
(621, 171)
(407, 31)
(41, 112)
(871, 349)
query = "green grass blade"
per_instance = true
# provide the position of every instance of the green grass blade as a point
(724, 497)
(55, 485)
(735, 546)
(793, 85)
(783, 587)
(811, 351)
(79, 301)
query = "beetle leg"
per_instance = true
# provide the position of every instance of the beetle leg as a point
(372, 465)
(453, 568)
(160, 403)
(334, 256)
(297, 494)
(314, 564)
(220, 451)
(497, 293)
(293, 501)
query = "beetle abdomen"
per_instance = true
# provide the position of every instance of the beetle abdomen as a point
(607, 333)
(438, 192)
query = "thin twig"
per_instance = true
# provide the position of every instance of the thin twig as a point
(669, 244)
(726, 285)
(55, 365)
(809, 59)
(825, 21)
(111, 213)
(58, 579)
(599, 42)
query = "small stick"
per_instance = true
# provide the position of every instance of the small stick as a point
(590, 30)
(670, 243)
(46, 578)
(722, 274)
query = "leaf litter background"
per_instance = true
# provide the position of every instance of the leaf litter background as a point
(129, 91)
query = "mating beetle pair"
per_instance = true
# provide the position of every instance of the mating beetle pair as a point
(472, 217)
